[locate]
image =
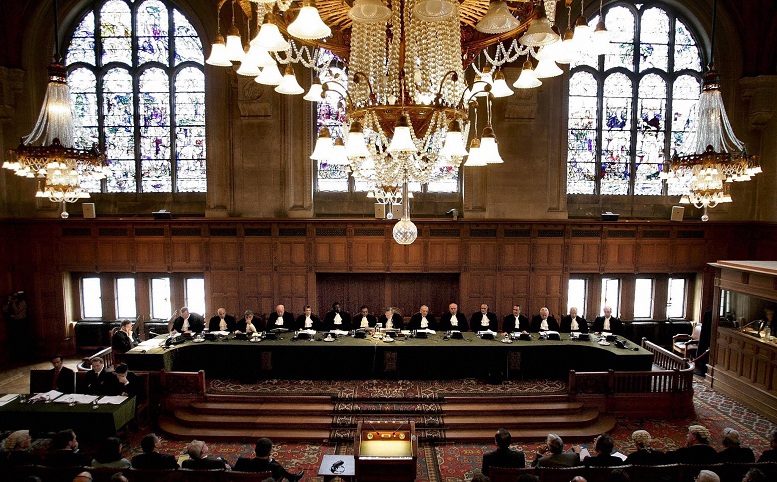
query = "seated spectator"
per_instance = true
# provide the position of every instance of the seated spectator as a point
(109, 455)
(63, 451)
(644, 455)
(119, 477)
(83, 477)
(603, 446)
(503, 456)
(198, 458)
(98, 380)
(733, 452)
(697, 448)
(63, 379)
(754, 475)
(770, 455)
(707, 476)
(263, 462)
(151, 458)
(124, 340)
(554, 455)
(128, 384)
(16, 450)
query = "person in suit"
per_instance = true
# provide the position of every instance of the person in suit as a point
(222, 321)
(16, 450)
(422, 320)
(608, 323)
(733, 451)
(453, 320)
(308, 321)
(572, 322)
(61, 378)
(63, 451)
(697, 448)
(263, 462)
(198, 458)
(603, 446)
(280, 318)
(391, 319)
(188, 322)
(503, 456)
(544, 321)
(123, 340)
(515, 321)
(644, 455)
(483, 320)
(246, 324)
(336, 319)
(128, 384)
(109, 455)
(554, 454)
(151, 458)
(98, 380)
(770, 454)
(364, 319)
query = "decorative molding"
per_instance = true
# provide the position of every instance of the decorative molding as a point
(249, 100)
(523, 104)
(11, 84)
(760, 91)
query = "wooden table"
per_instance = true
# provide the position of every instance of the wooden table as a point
(332, 469)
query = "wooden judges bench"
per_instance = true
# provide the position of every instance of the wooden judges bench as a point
(414, 358)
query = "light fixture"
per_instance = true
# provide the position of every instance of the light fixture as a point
(218, 53)
(323, 149)
(405, 231)
(547, 68)
(308, 24)
(582, 29)
(498, 19)
(315, 91)
(600, 37)
(234, 46)
(454, 141)
(289, 84)
(501, 89)
(270, 75)
(527, 79)
(540, 32)
(369, 11)
(401, 141)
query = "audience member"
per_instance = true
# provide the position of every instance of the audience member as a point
(263, 462)
(198, 458)
(618, 475)
(707, 476)
(63, 451)
(578, 478)
(697, 448)
(754, 475)
(62, 378)
(733, 452)
(503, 456)
(16, 450)
(644, 455)
(83, 477)
(554, 455)
(119, 477)
(98, 380)
(109, 455)
(151, 458)
(770, 455)
(128, 384)
(603, 446)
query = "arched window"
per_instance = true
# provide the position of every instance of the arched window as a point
(135, 70)
(631, 108)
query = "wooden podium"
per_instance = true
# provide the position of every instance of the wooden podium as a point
(385, 451)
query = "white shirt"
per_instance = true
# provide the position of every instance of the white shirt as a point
(606, 324)
(365, 322)
(185, 326)
(223, 325)
(279, 320)
(424, 322)
(454, 321)
(338, 320)
(389, 323)
(250, 328)
(308, 322)
(575, 326)
(484, 320)
(544, 324)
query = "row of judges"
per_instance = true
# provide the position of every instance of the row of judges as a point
(337, 319)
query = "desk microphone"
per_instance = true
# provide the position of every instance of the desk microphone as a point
(336, 466)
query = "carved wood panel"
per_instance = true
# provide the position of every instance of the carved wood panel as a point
(256, 292)
(368, 254)
(291, 253)
(223, 288)
(688, 255)
(584, 255)
(444, 254)
(480, 288)
(150, 255)
(513, 288)
(548, 253)
(78, 254)
(405, 258)
(481, 253)
(258, 253)
(115, 254)
(328, 253)
(516, 254)
(224, 253)
(619, 256)
(187, 253)
(546, 289)
(654, 255)
(292, 291)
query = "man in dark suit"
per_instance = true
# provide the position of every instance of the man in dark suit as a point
(249, 324)
(515, 321)
(151, 458)
(308, 321)
(222, 321)
(189, 322)
(63, 451)
(263, 462)
(503, 456)
(544, 321)
(199, 460)
(697, 448)
(98, 380)
(422, 320)
(554, 455)
(572, 322)
(483, 320)
(364, 319)
(62, 378)
(608, 323)
(453, 320)
(280, 318)
(123, 341)
(336, 319)
(395, 319)
(128, 384)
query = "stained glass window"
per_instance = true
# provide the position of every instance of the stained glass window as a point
(630, 108)
(135, 70)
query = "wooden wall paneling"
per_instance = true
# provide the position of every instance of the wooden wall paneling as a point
(436, 290)
(292, 290)
(619, 256)
(256, 292)
(291, 253)
(444, 255)
(482, 253)
(329, 253)
(223, 289)
(408, 258)
(546, 290)
(258, 253)
(187, 253)
(548, 253)
(224, 253)
(368, 253)
(513, 288)
(76, 253)
(516, 254)
(481, 288)
(152, 254)
(330, 288)
(115, 254)
(583, 255)
(45, 303)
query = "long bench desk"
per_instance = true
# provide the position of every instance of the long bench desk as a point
(432, 358)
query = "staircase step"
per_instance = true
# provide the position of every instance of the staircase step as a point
(170, 426)
(603, 424)
(512, 407)
(549, 421)
(249, 419)
(290, 407)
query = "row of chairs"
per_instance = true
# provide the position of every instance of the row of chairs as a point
(104, 474)
(638, 473)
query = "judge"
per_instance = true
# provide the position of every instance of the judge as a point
(544, 321)
(608, 323)
(572, 322)
(364, 319)
(483, 320)
(391, 319)
(422, 320)
(222, 321)
(280, 318)
(453, 320)
(336, 319)
(246, 324)
(308, 321)
(515, 321)
(188, 322)
(123, 340)
(128, 384)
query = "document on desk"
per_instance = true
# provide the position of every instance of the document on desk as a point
(339, 332)
(76, 398)
(5, 399)
(50, 395)
(112, 400)
(152, 343)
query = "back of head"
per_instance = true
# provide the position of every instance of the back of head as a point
(17, 440)
(503, 438)
(707, 476)
(604, 444)
(618, 475)
(83, 477)
(700, 433)
(480, 478)
(641, 438)
(263, 447)
(118, 477)
(148, 443)
(555, 444)
(730, 436)
(194, 449)
(754, 475)
(62, 439)
(109, 450)
(121, 369)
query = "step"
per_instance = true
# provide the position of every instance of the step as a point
(506, 399)
(192, 417)
(513, 407)
(603, 424)
(290, 407)
(551, 420)
(172, 428)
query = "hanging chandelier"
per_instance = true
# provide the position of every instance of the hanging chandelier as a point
(411, 116)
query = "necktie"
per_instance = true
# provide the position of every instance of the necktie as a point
(54, 380)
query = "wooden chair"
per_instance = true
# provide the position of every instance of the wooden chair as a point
(687, 345)
(508, 474)
(245, 476)
(654, 473)
(143, 475)
(104, 474)
(602, 474)
(142, 412)
(559, 474)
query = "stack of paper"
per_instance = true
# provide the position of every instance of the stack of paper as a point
(5, 399)
(76, 398)
(111, 400)
(46, 396)
(339, 332)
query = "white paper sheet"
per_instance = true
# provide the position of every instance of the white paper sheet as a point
(112, 400)
(76, 398)
(50, 395)
(6, 399)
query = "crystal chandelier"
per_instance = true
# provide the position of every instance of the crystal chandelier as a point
(714, 156)
(410, 111)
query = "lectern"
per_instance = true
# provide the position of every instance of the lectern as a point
(385, 451)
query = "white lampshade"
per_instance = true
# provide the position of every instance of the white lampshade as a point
(369, 11)
(338, 156)
(270, 76)
(501, 89)
(402, 141)
(498, 19)
(475, 158)
(582, 30)
(405, 232)
(434, 10)
(547, 68)
(289, 84)
(539, 32)
(488, 147)
(235, 51)
(601, 39)
(323, 150)
(454, 141)
(569, 50)
(270, 38)
(527, 79)
(308, 24)
(218, 53)
(356, 146)
(315, 91)
(259, 55)
(248, 67)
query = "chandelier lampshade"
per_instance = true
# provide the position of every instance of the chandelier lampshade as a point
(402, 140)
(338, 156)
(270, 75)
(547, 68)
(488, 147)
(315, 91)
(323, 149)
(308, 24)
(369, 11)
(476, 157)
(289, 84)
(501, 89)
(248, 67)
(234, 47)
(356, 147)
(218, 53)
(498, 19)
(454, 141)
(270, 38)
(434, 10)
(259, 55)
(540, 31)
(528, 79)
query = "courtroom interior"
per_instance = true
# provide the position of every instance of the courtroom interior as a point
(388, 239)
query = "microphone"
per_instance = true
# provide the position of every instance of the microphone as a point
(336, 466)
(760, 327)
